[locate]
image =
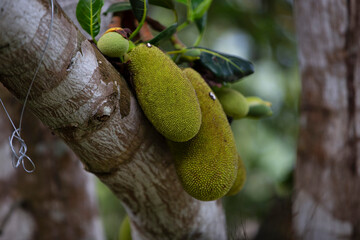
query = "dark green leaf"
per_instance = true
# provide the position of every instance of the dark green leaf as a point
(163, 3)
(138, 8)
(201, 23)
(164, 35)
(182, 1)
(118, 7)
(226, 68)
(88, 15)
(199, 8)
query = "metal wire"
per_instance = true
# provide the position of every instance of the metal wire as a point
(19, 155)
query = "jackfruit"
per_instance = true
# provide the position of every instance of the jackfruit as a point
(112, 44)
(125, 229)
(207, 164)
(240, 179)
(233, 102)
(193, 52)
(258, 108)
(164, 93)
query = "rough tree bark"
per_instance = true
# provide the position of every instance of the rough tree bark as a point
(82, 99)
(58, 200)
(327, 203)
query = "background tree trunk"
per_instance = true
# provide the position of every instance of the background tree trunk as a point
(58, 200)
(82, 98)
(327, 203)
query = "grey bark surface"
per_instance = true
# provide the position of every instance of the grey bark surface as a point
(327, 203)
(86, 102)
(58, 200)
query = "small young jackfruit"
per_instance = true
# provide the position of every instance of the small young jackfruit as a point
(240, 179)
(258, 108)
(164, 93)
(233, 102)
(207, 164)
(125, 229)
(112, 44)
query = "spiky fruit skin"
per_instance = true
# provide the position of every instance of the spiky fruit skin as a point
(112, 44)
(240, 179)
(125, 229)
(233, 102)
(164, 93)
(207, 164)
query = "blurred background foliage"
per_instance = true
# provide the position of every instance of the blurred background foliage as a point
(263, 32)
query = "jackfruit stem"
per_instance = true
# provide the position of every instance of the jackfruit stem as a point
(176, 51)
(182, 26)
(137, 30)
(199, 38)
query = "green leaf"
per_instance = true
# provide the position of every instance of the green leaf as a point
(201, 23)
(164, 35)
(199, 8)
(225, 67)
(182, 1)
(118, 7)
(138, 8)
(163, 3)
(88, 15)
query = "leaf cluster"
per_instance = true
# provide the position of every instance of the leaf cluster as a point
(219, 67)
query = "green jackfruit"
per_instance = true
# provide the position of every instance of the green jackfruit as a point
(258, 108)
(112, 44)
(233, 102)
(207, 164)
(164, 93)
(240, 179)
(125, 229)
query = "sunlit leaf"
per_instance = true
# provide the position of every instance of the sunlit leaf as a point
(199, 8)
(118, 7)
(88, 15)
(164, 35)
(224, 67)
(138, 8)
(163, 3)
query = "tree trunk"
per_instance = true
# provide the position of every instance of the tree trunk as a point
(82, 98)
(58, 200)
(327, 203)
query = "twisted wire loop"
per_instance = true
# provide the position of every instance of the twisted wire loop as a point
(19, 156)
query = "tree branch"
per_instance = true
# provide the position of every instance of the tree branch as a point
(82, 98)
